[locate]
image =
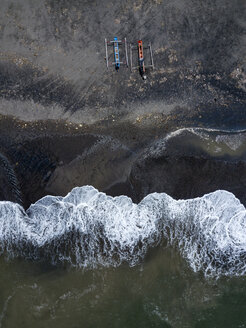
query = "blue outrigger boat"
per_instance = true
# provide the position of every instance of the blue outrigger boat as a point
(116, 51)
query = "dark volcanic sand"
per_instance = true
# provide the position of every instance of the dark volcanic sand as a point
(67, 121)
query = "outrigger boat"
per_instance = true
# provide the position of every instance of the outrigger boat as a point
(141, 65)
(116, 51)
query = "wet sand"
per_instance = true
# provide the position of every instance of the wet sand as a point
(132, 159)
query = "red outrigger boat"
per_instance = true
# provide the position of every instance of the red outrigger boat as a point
(141, 59)
(141, 65)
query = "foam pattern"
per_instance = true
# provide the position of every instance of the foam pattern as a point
(87, 228)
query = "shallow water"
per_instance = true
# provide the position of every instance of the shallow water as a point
(160, 292)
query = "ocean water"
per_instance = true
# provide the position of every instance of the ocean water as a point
(91, 260)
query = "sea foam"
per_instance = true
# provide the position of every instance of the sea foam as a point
(87, 228)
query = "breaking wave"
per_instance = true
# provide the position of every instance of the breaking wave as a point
(88, 228)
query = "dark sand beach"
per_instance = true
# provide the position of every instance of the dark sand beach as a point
(58, 99)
